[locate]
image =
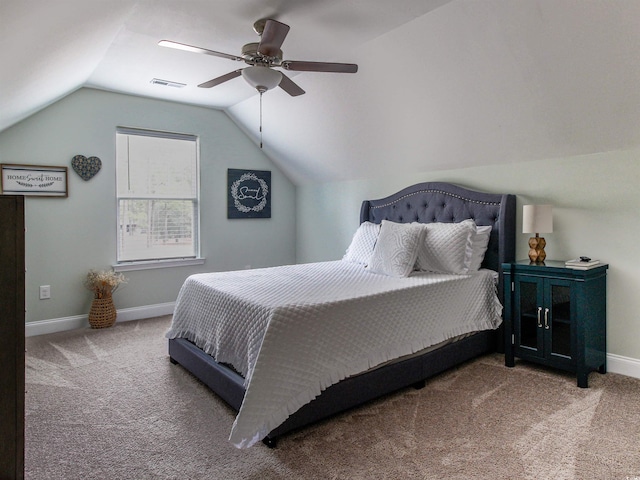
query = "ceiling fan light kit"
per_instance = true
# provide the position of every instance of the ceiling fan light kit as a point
(262, 78)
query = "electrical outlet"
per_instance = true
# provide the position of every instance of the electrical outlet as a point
(45, 292)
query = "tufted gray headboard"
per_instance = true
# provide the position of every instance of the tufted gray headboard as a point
(444, 202)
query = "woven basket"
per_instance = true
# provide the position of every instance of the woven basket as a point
(103, 312)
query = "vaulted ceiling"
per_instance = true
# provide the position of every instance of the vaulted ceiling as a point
(441, 83)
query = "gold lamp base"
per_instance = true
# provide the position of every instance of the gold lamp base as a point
(536, 249)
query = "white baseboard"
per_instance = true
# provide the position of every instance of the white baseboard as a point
(623, 365)
(53, 325)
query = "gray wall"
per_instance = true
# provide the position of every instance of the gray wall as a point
(67, 237)
(595, 199)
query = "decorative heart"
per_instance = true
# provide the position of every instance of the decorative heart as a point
(86, 167)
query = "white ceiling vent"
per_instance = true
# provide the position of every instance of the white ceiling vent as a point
(167, 83)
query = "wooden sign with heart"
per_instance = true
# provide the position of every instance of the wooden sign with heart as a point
(87, 168)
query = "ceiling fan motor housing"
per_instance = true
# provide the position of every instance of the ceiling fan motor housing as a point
(252, 56)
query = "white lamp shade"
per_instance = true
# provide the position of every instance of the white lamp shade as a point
(537, 219)
(262, 78)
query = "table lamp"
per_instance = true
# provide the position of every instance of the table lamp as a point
(537, 219)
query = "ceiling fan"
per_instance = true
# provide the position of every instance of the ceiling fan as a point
(262, 57)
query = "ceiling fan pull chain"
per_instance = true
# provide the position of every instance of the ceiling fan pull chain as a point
(261, 119)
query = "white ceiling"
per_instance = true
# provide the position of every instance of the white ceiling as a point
(52, 47)
(441, 84)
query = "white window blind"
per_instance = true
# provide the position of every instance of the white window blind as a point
(157, 191)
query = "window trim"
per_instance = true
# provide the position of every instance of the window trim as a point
(128, 266)
(148, 264)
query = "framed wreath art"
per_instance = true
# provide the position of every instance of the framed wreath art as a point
(249, 193)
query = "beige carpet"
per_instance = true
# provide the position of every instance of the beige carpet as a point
(107, 404)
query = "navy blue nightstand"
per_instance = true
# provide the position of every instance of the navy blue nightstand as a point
(556, 316)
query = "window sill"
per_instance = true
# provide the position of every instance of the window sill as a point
(153, 264)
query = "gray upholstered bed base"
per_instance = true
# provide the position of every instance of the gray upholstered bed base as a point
(426, 203)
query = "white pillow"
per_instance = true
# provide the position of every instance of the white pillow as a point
(397, 247)
(362, 243)
(447, 247)
(480, 241)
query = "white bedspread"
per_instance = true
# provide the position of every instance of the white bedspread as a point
(293, 331)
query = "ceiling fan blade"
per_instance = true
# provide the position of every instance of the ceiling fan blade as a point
(272, 38)
(299, 66)
(190, 48)
(221, 79)
(290, 87)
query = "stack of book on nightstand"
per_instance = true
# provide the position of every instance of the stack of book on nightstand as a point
(582, 263)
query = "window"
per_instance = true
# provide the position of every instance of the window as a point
(157, 191)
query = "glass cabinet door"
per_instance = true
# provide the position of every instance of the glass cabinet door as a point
(529, 298)
(558, 322)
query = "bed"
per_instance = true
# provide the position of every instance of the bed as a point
(339, 388)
